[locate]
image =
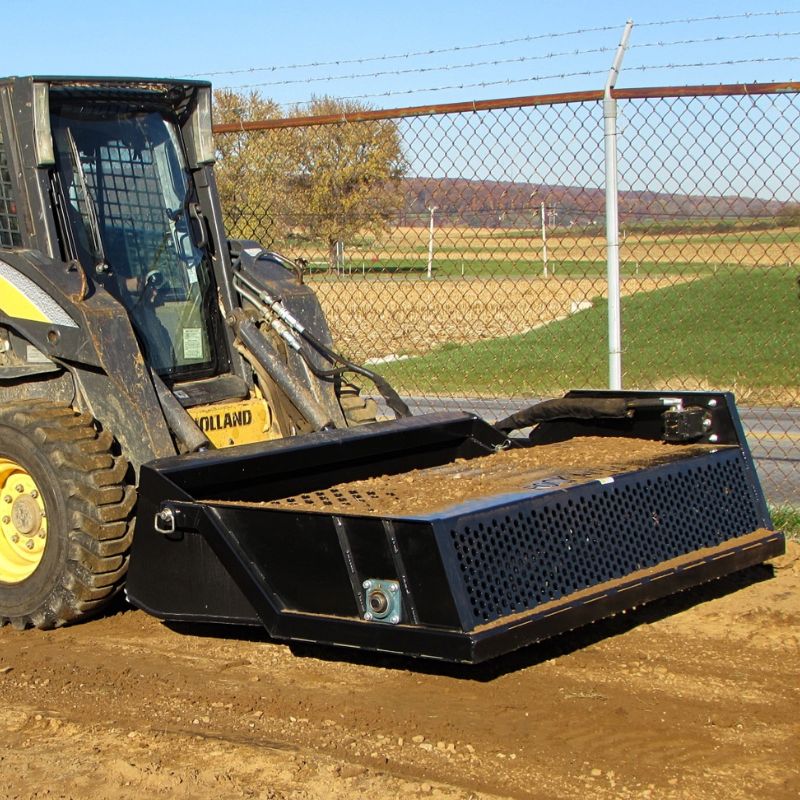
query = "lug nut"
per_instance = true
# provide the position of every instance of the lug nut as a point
(15, 538)
(7, 498)
(367, 616)
(20, 488)
(6, 520)
(34, 493)
(42, 535)
(367, 584)
(29, 544)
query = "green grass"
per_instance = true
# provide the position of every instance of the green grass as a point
(787, 519)
(733, 238)
(500, 267)
(734, 330)
(686, 227)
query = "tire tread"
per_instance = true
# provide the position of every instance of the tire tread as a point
(99, 505)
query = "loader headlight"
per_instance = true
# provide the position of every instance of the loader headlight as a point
(202, 135)
(43, 136)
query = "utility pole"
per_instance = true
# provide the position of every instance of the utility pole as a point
(430, 243)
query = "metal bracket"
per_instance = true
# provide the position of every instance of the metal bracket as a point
(382, 601)
(174, 519)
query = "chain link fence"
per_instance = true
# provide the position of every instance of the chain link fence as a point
(462, 251)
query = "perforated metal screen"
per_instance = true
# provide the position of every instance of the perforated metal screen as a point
(564, 542)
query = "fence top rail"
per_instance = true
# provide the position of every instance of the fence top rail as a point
(639, 93)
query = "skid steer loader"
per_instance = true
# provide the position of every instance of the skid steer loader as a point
(151, 367)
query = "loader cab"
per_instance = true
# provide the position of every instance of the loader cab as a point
(129, 213)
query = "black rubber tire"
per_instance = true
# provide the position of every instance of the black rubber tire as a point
(89, 504)
(357, 409)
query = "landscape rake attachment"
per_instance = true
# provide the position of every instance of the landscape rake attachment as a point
(441, 536)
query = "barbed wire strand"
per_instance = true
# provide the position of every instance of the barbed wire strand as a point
(421, 70)
(499, 43)
(536, 78)
(727, 62)
(515, 60)
(480, 85)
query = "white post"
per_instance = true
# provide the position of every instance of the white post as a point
(544, 243)
(612, 218)
(430, 243)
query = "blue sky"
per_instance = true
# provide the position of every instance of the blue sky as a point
(262, 38)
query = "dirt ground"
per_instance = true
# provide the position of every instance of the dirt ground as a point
(390, 316)
(692, 698)
(422, 491)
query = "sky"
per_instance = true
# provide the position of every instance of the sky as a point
(541, 48)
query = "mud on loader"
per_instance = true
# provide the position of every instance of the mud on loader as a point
(151, 366)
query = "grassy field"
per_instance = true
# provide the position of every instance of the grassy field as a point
(787, 519)
(500, 266)
(704, 308)
(737, 332)
(489, 251)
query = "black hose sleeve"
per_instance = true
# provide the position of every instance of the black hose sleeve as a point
(392, 398)
(566, 408)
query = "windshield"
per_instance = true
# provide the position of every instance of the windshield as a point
(127, 196)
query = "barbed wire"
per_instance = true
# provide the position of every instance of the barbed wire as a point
(480, 85)
(398, 56)
(499, 43)
(714, 39)
(719, 18)
(515, 60)
(561, 75)
(420, 70)
(727, 62)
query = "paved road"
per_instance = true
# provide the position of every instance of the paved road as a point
(772, 433)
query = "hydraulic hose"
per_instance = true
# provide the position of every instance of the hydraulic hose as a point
(288, 327)
(262, 351)
(582, 408)
(392, 398)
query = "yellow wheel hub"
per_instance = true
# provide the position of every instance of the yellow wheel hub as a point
(23, 523)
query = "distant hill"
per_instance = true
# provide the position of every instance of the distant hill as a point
(506, 204)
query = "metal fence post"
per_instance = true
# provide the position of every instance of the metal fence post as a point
(612, 218)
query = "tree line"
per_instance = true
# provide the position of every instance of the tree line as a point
(324, 183)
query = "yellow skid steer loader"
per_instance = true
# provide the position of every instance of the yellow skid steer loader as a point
(153, 369)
